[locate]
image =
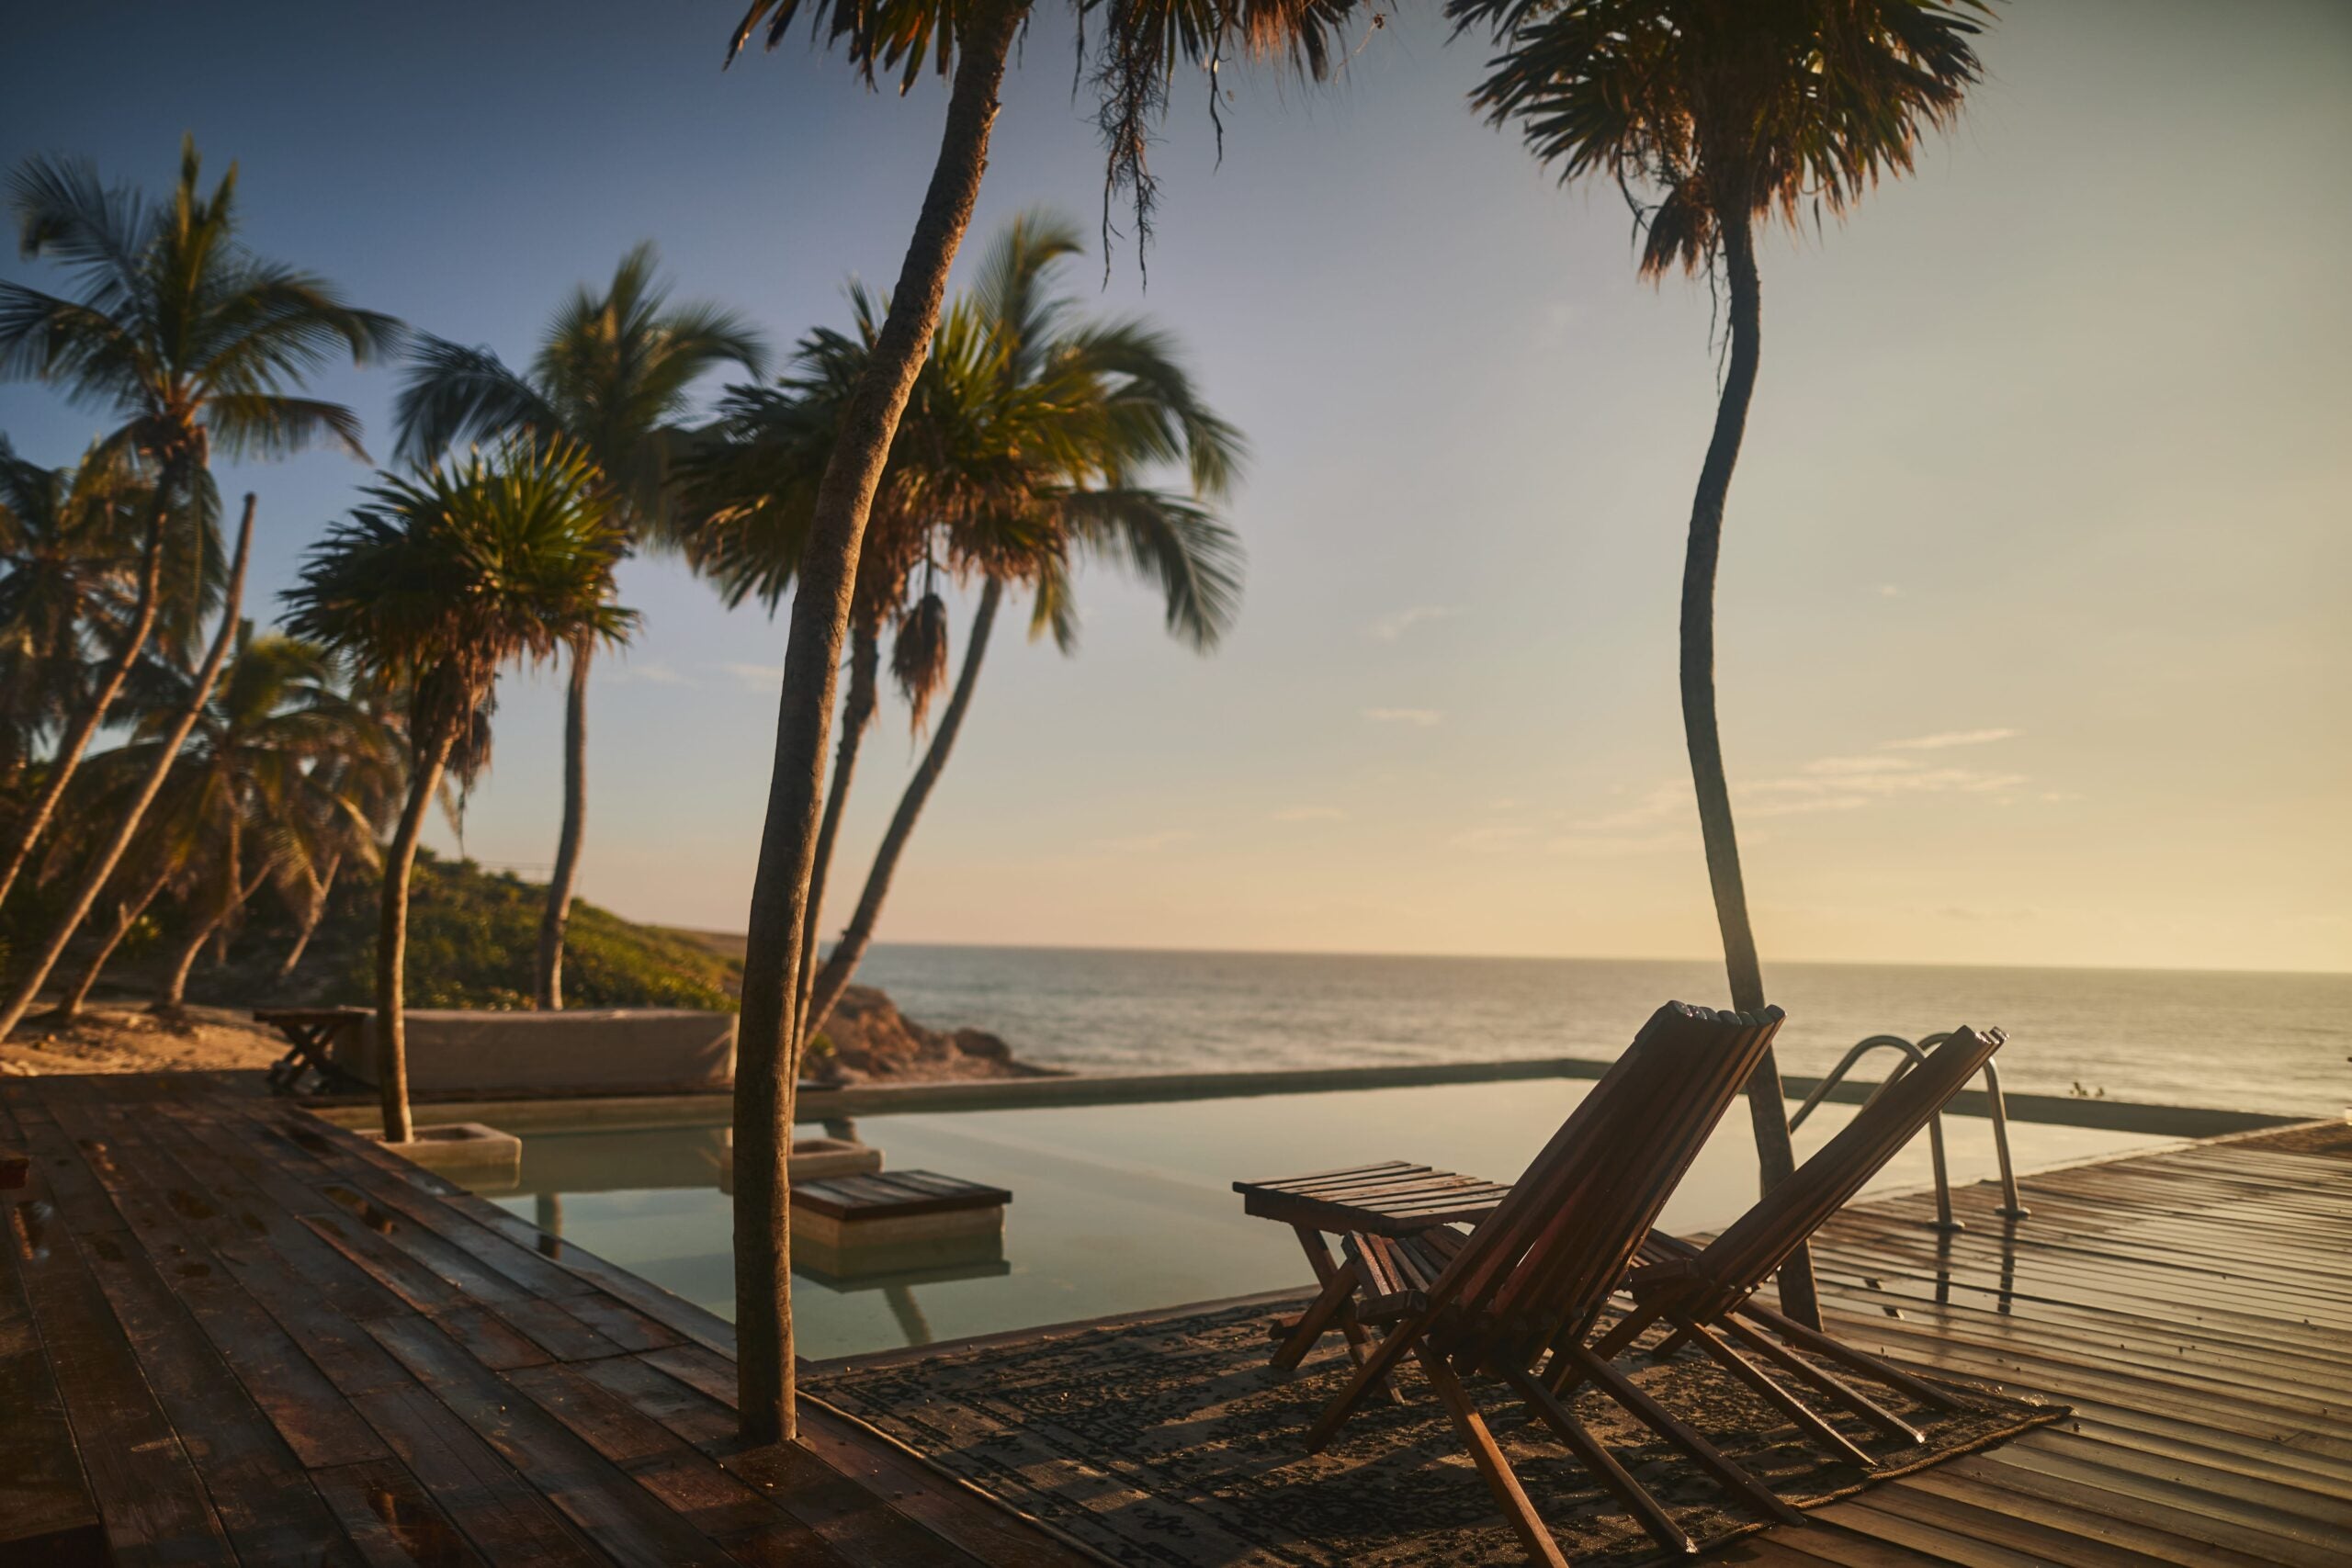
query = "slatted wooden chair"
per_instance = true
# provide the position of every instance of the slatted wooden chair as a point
(1532, 1278)
(1706, 1296)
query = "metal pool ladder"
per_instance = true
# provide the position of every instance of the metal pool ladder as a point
(2011, 1207)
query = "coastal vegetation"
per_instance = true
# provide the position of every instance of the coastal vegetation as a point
(1000, 443)
(612, 377)
(1022, 457)
(432, 586)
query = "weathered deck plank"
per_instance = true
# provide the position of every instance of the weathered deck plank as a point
(230, 1334)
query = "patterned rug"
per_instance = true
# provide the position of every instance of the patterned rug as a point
(1171, 1442)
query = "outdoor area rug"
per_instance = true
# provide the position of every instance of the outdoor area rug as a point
(1172, 1441)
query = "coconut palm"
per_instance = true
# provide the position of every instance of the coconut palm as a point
(198, 345)
(1137, 46)
(169, 706)
(1716, 116)
(612, 376)
(434, 584)
(1014, 453)
(69, 544)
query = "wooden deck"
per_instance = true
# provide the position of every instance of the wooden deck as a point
(2195, 1307)
(231, 1334)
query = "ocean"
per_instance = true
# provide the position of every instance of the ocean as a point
(2275, 1042)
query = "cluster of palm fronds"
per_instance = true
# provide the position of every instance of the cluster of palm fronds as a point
(256, 770)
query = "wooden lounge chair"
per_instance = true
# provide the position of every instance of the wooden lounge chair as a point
(1531, 1279)
(1706, 1296)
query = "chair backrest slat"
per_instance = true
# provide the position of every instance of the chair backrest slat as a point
(1556, 1248)
(1748, 1251)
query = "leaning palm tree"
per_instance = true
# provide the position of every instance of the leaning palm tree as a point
(435, 584)
(1137, 45)
(169, 707)
(69, 539)
(1714, 116)
(1043, 423)
(612, 377)
(198, 345)
(279, 713)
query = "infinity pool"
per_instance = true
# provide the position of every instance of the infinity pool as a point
(1122, 1208)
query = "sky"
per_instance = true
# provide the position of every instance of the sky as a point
(2033, 647)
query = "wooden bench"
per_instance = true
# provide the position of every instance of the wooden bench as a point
(896, 1207)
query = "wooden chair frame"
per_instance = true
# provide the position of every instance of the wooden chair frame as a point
(1706, 1296)
(1532, 1280)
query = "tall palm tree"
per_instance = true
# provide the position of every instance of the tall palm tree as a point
(1137, 46)
(612, 376)
(68, 542)
(1714, 116)
(198, 345)
(168, 708)
(435, 584)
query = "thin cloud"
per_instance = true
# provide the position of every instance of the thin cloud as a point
(1388, 628)
(1310, 814)
(1420, 717)
(753, 675)
(654, 674)
(1951, 738)
(1143, 843)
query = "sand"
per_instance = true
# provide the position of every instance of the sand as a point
(122, 1039)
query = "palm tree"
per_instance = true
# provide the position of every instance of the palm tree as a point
(435, 584)
(1714, 115)
(196, 344)
(1137, 44)
(612, 375)
(171, 712)
(69, 540)
(1046, 423)
(279, 717)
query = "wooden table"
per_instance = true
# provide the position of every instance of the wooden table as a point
(310, 1035)
(1387, 1198)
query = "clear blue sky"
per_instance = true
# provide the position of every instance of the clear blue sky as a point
(2048, 465)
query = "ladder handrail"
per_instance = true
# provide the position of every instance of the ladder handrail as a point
(1913, 1055)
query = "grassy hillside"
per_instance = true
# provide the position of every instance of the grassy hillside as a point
(472, 937)
(473, 934)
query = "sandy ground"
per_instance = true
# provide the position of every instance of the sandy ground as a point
(120, 1039)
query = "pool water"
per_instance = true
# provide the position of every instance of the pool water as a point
(1123, 1208)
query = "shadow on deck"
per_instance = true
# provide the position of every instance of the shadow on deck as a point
(229, 1333)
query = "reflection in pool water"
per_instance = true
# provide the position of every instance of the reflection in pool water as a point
(1123, 1208)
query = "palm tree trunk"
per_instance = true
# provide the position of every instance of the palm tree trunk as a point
(311, 914)
(69, 1007)
(857, 712)
(392, 943)
(1767, 1113)
(834, 978)
(86, 724)
(575, 825)
(765, 1061)
(93, 877)
(174, 992)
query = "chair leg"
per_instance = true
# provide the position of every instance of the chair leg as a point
(1316, 1319)
(1660, 1420)
(1630, 1493)
(1846, 1356)
(1404, 1336)
(1325, 1266)
(1532, 1533)
(1808, 1420)
(1835, 1387)
(1566, 1374)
